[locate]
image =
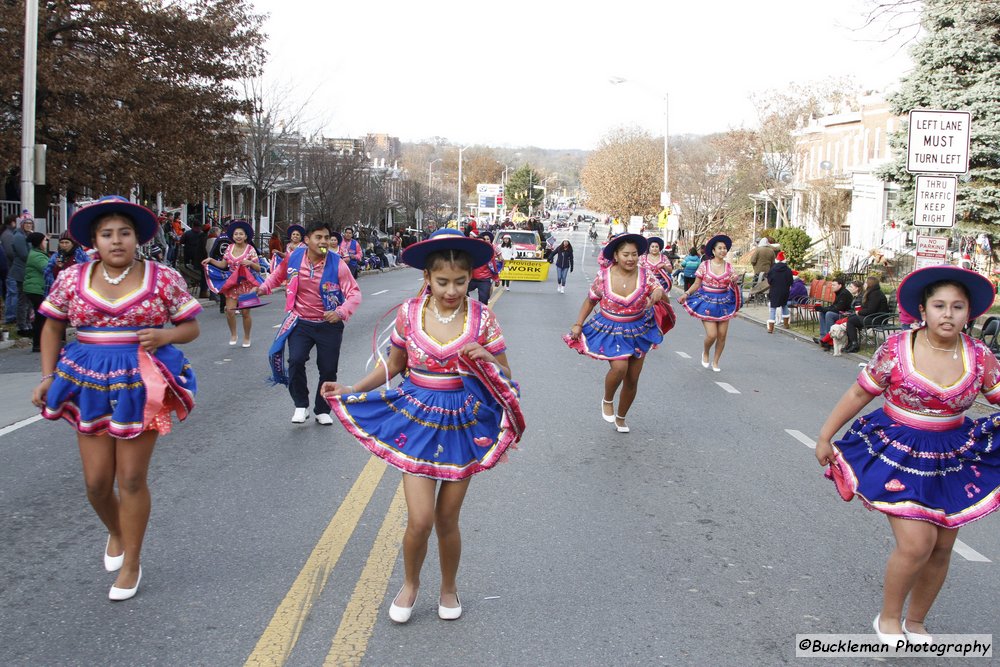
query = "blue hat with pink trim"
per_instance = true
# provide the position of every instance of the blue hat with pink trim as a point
(82, 221)
(448, 239)
(240, 224)
(296, 228)
(714, 241)
(911, 290)
(655, 239)
(639, 240)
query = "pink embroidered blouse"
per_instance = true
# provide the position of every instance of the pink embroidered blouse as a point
(423, 352)
(915, 400)
(717, 283)
(233, 261)
(631, 305)
(162, 298)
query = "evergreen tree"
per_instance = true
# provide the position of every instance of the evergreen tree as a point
(956, 68)
(521, 190)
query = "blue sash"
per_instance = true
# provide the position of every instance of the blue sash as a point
(331, 294)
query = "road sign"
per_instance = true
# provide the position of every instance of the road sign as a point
(938, 142)
(931, 251)
(934, 201)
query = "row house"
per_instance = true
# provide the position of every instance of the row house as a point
(837, 157)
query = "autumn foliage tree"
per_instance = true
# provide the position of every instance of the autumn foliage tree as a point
(624, 175)
(131, 92)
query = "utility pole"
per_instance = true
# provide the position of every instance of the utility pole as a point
(28, 107)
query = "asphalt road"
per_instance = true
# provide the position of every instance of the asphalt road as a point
(707, 535)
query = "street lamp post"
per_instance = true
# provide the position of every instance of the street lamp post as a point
(430, 166)
(665, 195)
(458, 208)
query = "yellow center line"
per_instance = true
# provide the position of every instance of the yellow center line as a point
(281, 634)
(356, 625)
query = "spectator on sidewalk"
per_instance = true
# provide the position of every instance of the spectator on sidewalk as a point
(828, 315)
(20, 245)
(873, 302)
(690, 265)
(34, 283)
(762, 258)
(799, 290)
(779, 279)
(9, 284)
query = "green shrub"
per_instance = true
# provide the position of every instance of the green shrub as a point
(794, 243)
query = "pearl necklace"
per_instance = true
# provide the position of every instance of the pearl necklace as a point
(114, 281)
(437, 313)
(954, 352)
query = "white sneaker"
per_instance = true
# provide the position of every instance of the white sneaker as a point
(299, 417)
(507, 289)
(325, 419)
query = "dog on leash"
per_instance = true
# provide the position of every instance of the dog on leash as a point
(838, 332)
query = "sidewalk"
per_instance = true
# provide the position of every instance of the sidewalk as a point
(758, 315)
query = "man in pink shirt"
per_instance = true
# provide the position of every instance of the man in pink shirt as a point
(320, 297)
(350, 251)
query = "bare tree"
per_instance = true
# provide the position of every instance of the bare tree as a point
(335, 184)
(828, 205)
(624, 175)
(713, 177)
(780, 113)
(270, 141)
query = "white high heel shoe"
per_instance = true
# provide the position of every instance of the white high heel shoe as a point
(118, 594)
(112, 563)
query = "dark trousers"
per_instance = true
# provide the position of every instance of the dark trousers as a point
(854, 322)
(36, 328)
(484, 287)
(325, 337)
(688, 281)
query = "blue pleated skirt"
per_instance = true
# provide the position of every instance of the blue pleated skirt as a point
(949, 478)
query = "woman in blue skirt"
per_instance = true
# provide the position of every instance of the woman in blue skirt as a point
(121, 380)
(624, 329)
(918, 458)
(455, 413)
(714, 297)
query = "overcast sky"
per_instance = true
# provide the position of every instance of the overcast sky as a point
(535, 72)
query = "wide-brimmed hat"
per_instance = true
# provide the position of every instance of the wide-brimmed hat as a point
(295, 228)
(655, 239)
(335, 237)
(249, 300)
(638, 239)
(710, 246)
(240, 224)
(81, 223)
(483, 236)
(911, 290)
(448, 239)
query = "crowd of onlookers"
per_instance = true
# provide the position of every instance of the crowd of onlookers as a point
(27, 271)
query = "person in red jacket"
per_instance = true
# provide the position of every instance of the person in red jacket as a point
(483, 277)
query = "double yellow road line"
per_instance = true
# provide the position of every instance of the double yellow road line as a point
(351, 640)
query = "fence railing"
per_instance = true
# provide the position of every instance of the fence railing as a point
(52, 223)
